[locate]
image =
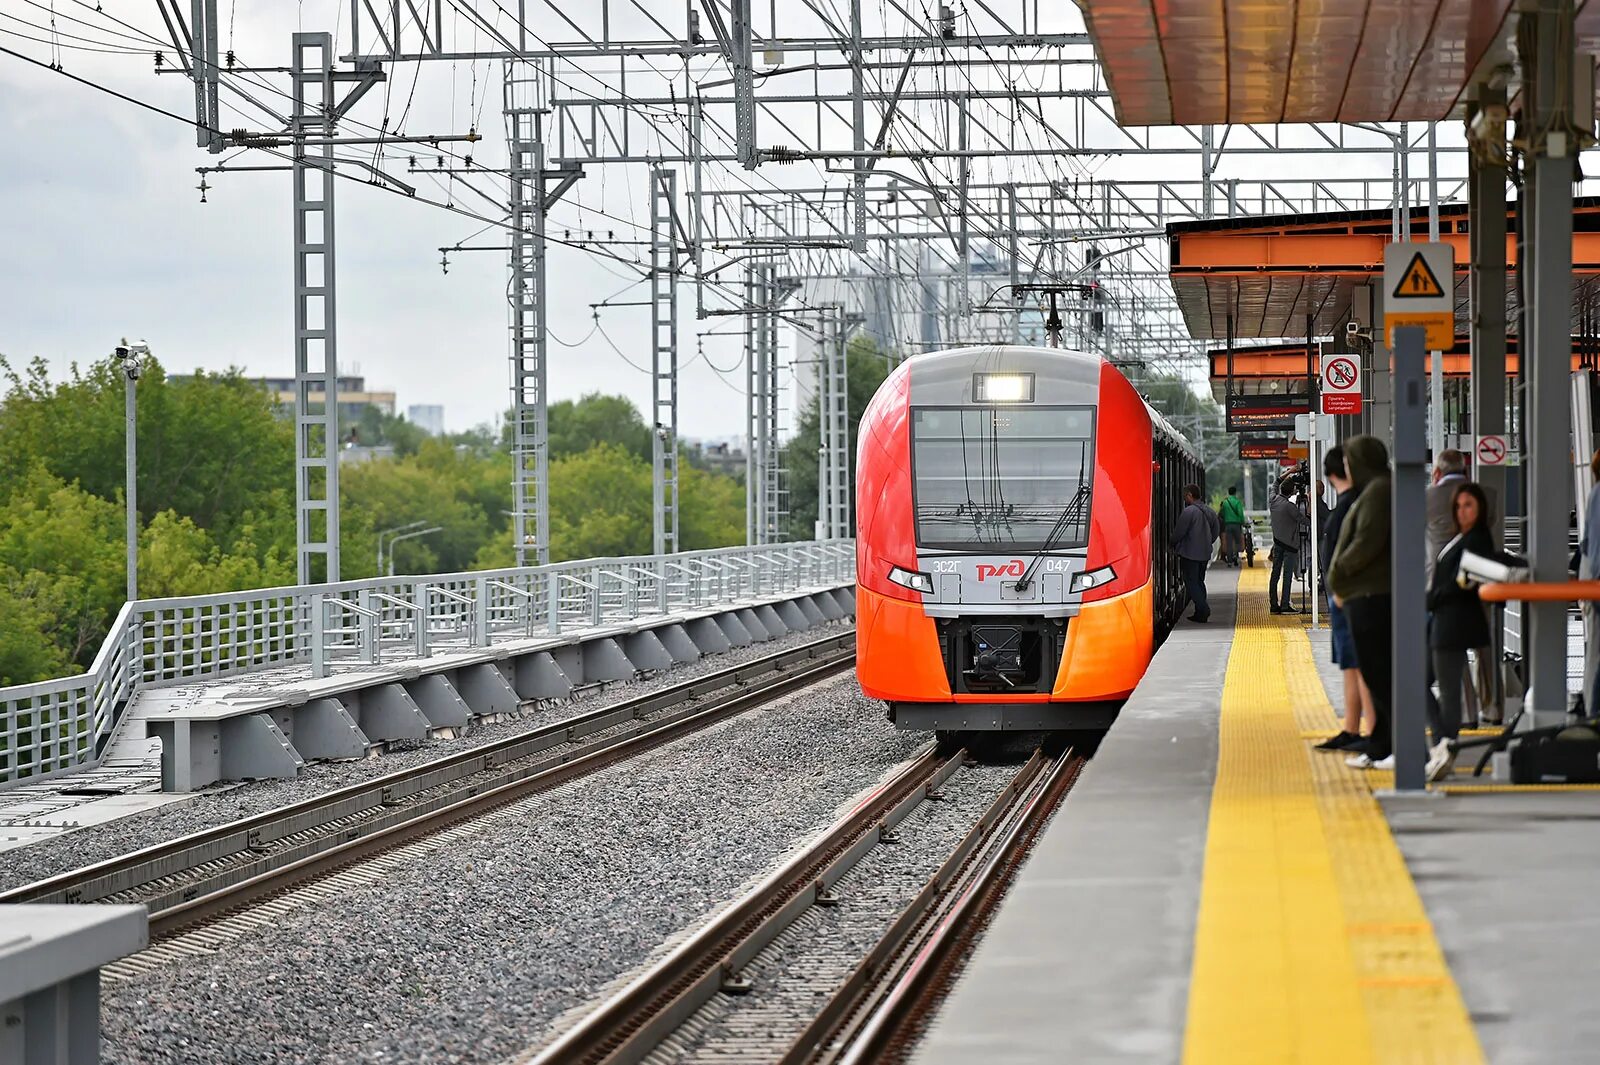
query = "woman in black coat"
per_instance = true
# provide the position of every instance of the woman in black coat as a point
(1459, 623)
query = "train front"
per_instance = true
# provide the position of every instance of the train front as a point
(1003, 552)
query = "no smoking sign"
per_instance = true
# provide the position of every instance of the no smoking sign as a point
(1341, 385)
(1491, 451)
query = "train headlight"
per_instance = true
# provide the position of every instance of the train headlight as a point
(1002, 388)
(1092, 578)
(910, 578)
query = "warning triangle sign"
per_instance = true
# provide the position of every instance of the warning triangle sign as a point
(1418, 281)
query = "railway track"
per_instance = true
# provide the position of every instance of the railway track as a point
(200, 877)
(871, 1009)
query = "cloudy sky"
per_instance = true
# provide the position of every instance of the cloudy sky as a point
(106, 234)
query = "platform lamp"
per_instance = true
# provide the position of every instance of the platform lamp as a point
(129, 356)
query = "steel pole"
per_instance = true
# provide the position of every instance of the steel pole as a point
(1409, 680)
(1435, 359)
(1547, 347)
(130, 409)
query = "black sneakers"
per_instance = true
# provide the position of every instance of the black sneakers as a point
(1340, 742)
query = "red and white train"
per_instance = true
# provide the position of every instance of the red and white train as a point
(1012, 560)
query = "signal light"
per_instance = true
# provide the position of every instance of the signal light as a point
(1094, 578)
(1002, 388)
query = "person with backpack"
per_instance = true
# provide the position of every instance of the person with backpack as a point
(1231, 513)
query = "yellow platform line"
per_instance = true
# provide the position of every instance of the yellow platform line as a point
(1312, 945)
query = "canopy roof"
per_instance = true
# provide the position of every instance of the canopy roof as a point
(1271, 273)
(1192, 62)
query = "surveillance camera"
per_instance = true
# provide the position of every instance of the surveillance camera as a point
(1352, 328)
(122, 351)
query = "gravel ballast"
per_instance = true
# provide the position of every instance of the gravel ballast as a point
(793, 976)
(468, 955)
(59, 854)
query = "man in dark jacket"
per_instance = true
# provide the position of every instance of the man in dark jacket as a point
(1288, 522)
(1358, 577)
(1192, 536)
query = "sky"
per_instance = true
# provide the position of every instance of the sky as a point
(107, 236)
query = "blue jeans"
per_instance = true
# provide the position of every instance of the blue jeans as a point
(1194, 582)
(1284, 564)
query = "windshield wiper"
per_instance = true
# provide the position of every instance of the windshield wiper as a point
(1071, 514)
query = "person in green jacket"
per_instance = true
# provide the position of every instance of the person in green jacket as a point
(1232, 514)
(1358, 578)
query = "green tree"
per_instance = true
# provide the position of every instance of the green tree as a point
(710, 509)
(28, 618)
(62, 562)
(376, 428)
(211, 446)
(390, 494)
(576, 427)
(599, 504)
(866, 369)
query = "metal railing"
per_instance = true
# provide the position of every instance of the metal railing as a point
(52, 726)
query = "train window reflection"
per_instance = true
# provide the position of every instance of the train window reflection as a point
(1017, 479)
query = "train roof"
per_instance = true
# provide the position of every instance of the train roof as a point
(1159, 424)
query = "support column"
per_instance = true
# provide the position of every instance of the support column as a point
(1486, 214)
(316, 351)
(1547, 66)
(833, 391)
(761, 518)
(664, 360)
(524, 115)
(754, 299)
(1408, 683)
(772, 507)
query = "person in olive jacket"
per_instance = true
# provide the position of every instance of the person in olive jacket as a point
(1358, 577)
(1459, 623)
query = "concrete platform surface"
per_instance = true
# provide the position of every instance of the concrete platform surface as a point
(1088, 960)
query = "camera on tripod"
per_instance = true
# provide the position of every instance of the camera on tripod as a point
(1297, 480)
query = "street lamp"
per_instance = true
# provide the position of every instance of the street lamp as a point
(409, 536)
(129, 355)
(387, 532)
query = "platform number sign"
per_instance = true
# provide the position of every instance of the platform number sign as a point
(1341, 385)
(1492, 451)
(1419, 289)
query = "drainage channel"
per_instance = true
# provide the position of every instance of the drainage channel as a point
(195, 878)
(855, 1001)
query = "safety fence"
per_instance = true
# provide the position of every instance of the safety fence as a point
(55, 725)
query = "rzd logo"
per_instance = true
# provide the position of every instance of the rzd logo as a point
(1010, 569)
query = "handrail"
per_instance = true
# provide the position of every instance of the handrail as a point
(61, 724)
(1540, 591)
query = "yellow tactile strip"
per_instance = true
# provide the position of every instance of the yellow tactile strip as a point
(1311, 944)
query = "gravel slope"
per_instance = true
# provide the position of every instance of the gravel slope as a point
(23, 865)
(468, 955)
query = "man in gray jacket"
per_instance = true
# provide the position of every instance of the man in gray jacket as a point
(1196, 530)
(1289, 521)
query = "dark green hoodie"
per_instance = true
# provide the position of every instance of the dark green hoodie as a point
(1360, 563)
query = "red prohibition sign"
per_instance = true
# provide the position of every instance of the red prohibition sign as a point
(1342, 373)
(1491, 451)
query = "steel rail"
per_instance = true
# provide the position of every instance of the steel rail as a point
(883, 1029)
(630, 1024)
(385, 804)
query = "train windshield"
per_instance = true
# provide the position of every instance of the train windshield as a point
(1017, 478)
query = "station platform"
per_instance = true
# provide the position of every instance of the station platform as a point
(1215, 890)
